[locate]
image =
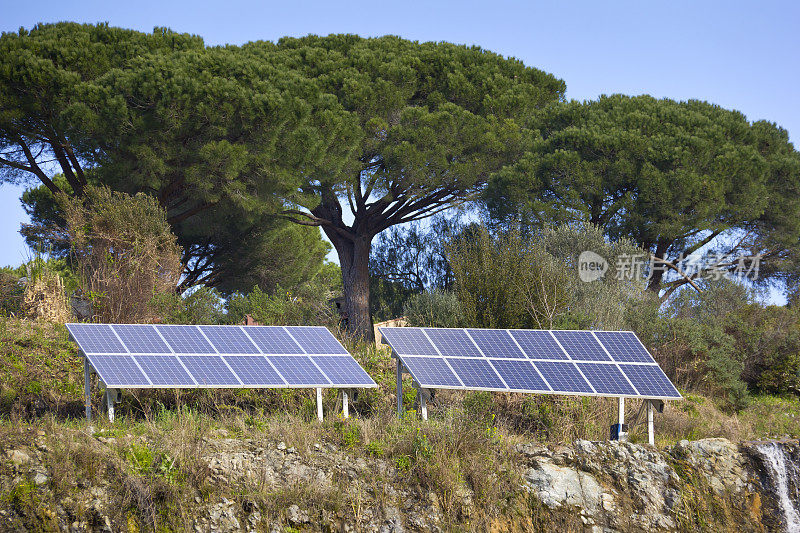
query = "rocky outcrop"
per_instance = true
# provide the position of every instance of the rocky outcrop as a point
(710, 484)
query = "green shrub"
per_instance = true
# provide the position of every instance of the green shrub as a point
(434, 309)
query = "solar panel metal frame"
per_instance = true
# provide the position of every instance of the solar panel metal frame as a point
(216, 353)
(386, 339)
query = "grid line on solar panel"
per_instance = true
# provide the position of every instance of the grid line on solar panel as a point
(581, 345)
(96, 338)
(254, 370)
(563, 376)
(209, 370)
(272, 340)
(119, 371)
(606, 379)
(185, 339)
(408, 341)
(164, 370)
(650, 380)
(298, 370)
(538, 344)
(316, 340)
(229, 339)
(342, 370)
(140, 338)
(520, 375)
(476, 373)
(495, 343)
(452, 342)
(624, 346)
(431, 372)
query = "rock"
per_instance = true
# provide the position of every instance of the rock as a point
(281, 445)
(297, 516)
(40, 478)
(558, 485)
(18, 457)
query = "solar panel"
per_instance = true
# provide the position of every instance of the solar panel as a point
(229, 339)
(624, 346)
(316, 340)
(209, 371)
(273, 339)
(118, 371)
(476, 373)
(563, 376)
(343, 370)
(408, 341)
(254, 370)
(495, 343)
(185, 339)
(141, 338)
(606, 379)
(555, 362)
(520, 375)
(581, 345)
(164, 371)
(96, 338)
(650, 381)
(431, 372)
(299, 370)
(452, 342)
(538, 344)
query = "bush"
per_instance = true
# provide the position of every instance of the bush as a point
(124, 251)
(434, 309)
(11, 294)
(202, 306)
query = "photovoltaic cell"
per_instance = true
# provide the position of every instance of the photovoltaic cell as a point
(431, 371)
(164, 370)
(185, 339)
(606, 379)
(495, 342)
(254, 370)
(624, 346)
(563, 376)
(408, 341)
(650, 380)
(538, 344)
(452, 342)
(581, 345)
(298, 370)
(141, 338)
(229, 339)
(96, 338)
(118, 371)
(209, 370)
(477, 373)
(519, 375)
(273, 339)
(316, 339)
(342, 370)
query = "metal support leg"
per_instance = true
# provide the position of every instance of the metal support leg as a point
(87, 387)
(111, 397)
(345, 407)
(319, 403)
(623, 435)
(651, 434)
(423, 404)
(399, 388)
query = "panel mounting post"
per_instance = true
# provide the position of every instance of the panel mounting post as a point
(111, 398)
(423, 403)
(319, 403)
(621, 433)
(399, 388)
(651, 434)
(345, 406)
(87, 387)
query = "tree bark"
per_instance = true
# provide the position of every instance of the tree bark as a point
(354, 261)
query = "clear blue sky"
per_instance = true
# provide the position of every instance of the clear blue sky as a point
(740, 55)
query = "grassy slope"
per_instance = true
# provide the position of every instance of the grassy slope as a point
(153, 460)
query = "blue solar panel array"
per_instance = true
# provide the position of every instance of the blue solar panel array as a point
(602, 363)
(144, 355)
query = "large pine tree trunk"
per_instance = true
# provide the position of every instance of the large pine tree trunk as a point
(354, 260)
